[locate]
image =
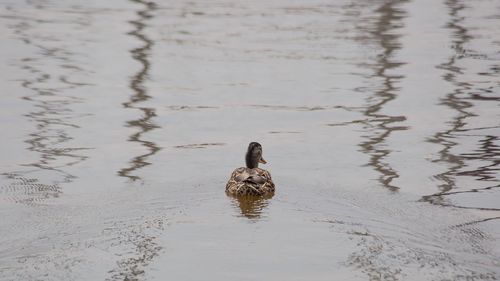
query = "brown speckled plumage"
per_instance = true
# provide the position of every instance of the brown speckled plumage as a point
(246, 181)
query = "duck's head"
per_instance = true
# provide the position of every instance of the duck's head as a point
(254, 155)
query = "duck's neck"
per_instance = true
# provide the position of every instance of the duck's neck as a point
(252, 161)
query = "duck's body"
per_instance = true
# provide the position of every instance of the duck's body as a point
(251, 180)
(246, 181)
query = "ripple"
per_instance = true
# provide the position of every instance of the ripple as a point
(199, 145)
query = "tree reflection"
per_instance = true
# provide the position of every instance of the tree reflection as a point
(380, 125)
(144, 124)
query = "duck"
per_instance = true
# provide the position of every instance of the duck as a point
(251, 180)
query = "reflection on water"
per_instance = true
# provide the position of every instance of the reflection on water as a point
(461, 100)
(275, 70)
(453, 101)
(140, 235)
(380, 125)
(487, 150)
(199, 145)
(145, 123)
(251, 207)
(370, 256)
(52, 116)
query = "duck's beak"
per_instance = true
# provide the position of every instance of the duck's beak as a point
(261, 160)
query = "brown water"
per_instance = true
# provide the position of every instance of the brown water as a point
(122, 120)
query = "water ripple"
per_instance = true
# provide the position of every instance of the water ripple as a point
(144, 124)
(52, 102)
(381, 126)
(463, 100)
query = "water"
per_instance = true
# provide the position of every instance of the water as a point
(122, 121)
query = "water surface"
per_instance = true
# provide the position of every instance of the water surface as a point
(122, 121)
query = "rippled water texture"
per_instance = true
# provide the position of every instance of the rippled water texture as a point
(122, 120)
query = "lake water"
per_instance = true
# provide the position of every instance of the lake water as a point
(122, 120)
